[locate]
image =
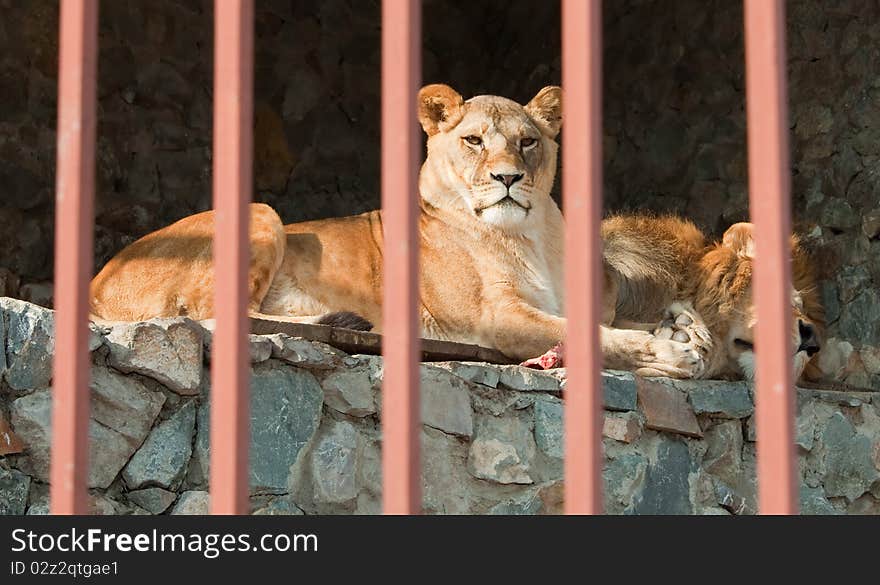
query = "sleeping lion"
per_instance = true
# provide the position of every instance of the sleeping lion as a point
(491, 258)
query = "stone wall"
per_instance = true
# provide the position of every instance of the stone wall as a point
(674, 105)
(491, 435)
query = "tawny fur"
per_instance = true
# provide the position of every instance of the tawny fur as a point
(659, 262)
(490, 253)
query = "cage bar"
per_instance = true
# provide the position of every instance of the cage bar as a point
(582, 205)
(769, 201)
(74, 234)
(233, 157)
(401, 155)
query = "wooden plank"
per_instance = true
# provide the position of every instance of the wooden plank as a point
(364, 342)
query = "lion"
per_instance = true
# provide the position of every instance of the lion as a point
(490, 245)
(703, 290)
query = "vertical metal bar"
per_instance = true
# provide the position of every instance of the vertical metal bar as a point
(582, 204)
(401, 154)
(233, 152)
(769, 183)
(74, 229)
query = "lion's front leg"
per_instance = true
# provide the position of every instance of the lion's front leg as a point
(648, 355)
(681, 322)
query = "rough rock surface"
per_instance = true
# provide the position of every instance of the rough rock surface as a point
(192, 503)
(14, 488)
(155, 500)
(122, 413)
(446, 402)
(351, 391)
(167, 350)
(285, 413)
(163, 458)
(30, 344)
(503, 451)
(666, 408)
(29, 334)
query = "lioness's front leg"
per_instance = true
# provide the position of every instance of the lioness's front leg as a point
(523, 331)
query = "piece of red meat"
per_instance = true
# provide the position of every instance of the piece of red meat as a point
(553, 358)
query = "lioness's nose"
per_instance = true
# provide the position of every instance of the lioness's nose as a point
(508, 180)
(809, 340)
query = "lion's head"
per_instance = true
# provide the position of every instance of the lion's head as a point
(724, 299)
(490, 157)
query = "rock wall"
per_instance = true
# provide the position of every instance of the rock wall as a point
(491, 435)
(674, 107)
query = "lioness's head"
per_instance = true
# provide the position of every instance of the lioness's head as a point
(489, 156)
(725, 293)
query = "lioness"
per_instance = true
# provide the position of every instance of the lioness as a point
(491, 256)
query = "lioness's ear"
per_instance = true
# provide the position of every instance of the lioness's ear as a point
(440, 108)
(738, 238)
(546, 110)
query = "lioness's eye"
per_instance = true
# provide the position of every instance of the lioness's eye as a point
(527, 142)
(475, 140)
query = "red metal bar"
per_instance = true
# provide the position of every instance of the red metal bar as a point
(233, 152)
(582, 204)
(401, 155)
(766, 99)
(74, 229)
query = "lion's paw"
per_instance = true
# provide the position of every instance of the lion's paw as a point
(683, 324)
(672, 359)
